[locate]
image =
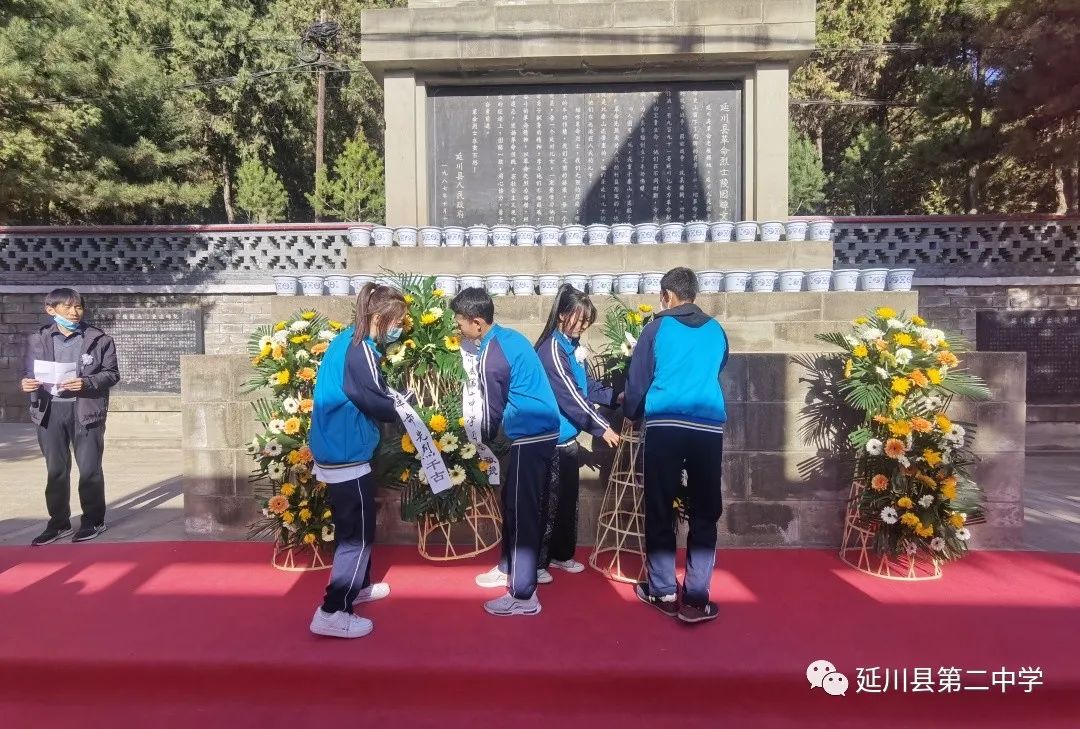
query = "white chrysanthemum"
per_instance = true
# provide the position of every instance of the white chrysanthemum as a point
(253, 447)
(875, 447)
(926, 501)
(894, 324)
(889, 515)
(265, 341)
(448, 443)
(290, 405)
(626, 349)
(851, 341)
(280, 338)
(436, 311)
(904, 461)
(421, 476)
(582, 353)
(457, 475)
(328, 533)
(630, 339)
(275, 470)
(957, 431)
(881, 372)
(934, 402)
(910, 548)
(395, 353)
(299, 325)
(468, 451)
(903, 356)
(327, 334)
(963, 534)
(272, 449)
(302, 355)
(276, 426)
(937, 544)
(871, 333)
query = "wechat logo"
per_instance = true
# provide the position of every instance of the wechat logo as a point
(823, 675)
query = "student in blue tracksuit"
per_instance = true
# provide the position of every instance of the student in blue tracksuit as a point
(575, 392)
(518, 398)
(674, 382)
(350, 396)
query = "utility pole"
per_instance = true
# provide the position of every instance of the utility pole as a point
(320, 111)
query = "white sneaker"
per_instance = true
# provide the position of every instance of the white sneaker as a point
(494, 577)
(510, 605)
(340, 624)
(544, 577)
(571, 565)
(373, 592)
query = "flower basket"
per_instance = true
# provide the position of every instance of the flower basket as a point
(857, 549)
(619, 551)
(302, 557)
(442, 540)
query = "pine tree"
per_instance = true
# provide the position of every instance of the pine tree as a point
(260, 193)
(356, 190)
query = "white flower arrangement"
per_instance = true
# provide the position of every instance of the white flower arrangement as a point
(903, 356)
(963, 534)
(299, 325)
(937, 544)
(448, 443)
(457, 475)
(875, 447)
(276, 470)
(871, 334)
(276, 427)
(290, 405)
(468, 451)
(327, 335)
(272, 449)
(889, 515)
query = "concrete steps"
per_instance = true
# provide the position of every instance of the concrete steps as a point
(750, 256)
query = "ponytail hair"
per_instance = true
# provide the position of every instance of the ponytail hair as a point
(570, 304)
(376, 300)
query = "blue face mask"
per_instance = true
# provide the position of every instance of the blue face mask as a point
(393, 334)
(64, 322)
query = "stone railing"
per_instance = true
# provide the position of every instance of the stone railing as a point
(965, 246)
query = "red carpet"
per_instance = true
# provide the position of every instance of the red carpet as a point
(209, 635)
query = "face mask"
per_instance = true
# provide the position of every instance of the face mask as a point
(66, 323)
(393, 334)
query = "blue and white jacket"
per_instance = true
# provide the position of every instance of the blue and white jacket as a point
(575, 392)
(350, 395)
(674, 374)
(516, 391)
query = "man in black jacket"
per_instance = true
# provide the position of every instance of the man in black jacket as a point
(71, 413)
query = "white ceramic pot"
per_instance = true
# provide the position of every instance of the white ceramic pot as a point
(501, 236)
(525, 235)
(697, 232)
(497, 284)
(574, 235)
(454, 235)
(763, 281)
(406, 236)
(448, 283)
(359, 237)
(431, 237)
(360, 280)
(645, 233)
(845, 279)
(578, 280)
(337, 285)
(746, 230)
(795, 230)
(478, 236)
(772, 231)
(671, 233)
(523, 284)
(601, 284)
(650, 282)
(628, 283)
(792, 280)
(710, 281)
(550, 235)
(312, 285)
(382, 236)
(285, 285)
(622, 234)
(899, 279)
(820, 229)
(873, 279)
(598, 234)
(721, 231)
(819, 279)
(469, 281)
(736, 281)
(549, 284)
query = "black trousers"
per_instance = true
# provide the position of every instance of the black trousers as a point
(354, 511)
(58, 435)
(669, 450)
(561, 506)
(524, 490)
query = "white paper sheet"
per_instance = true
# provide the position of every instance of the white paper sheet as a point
(51, 374)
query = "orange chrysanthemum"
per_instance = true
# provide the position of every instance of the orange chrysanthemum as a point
(894, 448)
(880, 482)
(307, 374)
(278, 504)
(921, 425)
(919, 378)
(947, 359)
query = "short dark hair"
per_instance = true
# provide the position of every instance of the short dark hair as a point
(56, 297)
(682, 282)
(474, 303)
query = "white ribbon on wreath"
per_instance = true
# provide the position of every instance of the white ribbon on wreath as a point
(438, 477)
(472, 409)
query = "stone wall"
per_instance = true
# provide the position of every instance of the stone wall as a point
(779, 489)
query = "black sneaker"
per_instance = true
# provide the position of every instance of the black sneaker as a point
(86, 533)
(50, 535)
(669, 606)
(690, 613)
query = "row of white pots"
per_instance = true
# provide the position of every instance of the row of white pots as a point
(791, 280)
(479, 236)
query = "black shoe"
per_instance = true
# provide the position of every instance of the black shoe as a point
(667, 607)
(86, 533)
(690, 613)
(50, 535)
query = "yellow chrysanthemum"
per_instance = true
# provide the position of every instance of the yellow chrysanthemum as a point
(896, 402)
(924, 530)
(437, 423)
(461, 422)
(918, 320)
(452, 343)
(293, 457)
(957, 519)
(904, 502)
(407, 444)
(900, 428)
(327, 514)
(288, 517)
(644, 308)
(847, 368)
(943, 423)
(859, 350)
(904, 339)
(901, 385)
(410, 343)
(438, 293)
(409, 298)
(281, 378)
(335, 325)
(279, 326)
(932, 457)
(309, 538)
(483, 466)
(909, 519)
(886, 313)
(300, 338)
(934, 375)
(277, 352)
(859, 321)
(292, 426)
(307, 315)
(405, 476)
(305, 515)
(427, 318)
